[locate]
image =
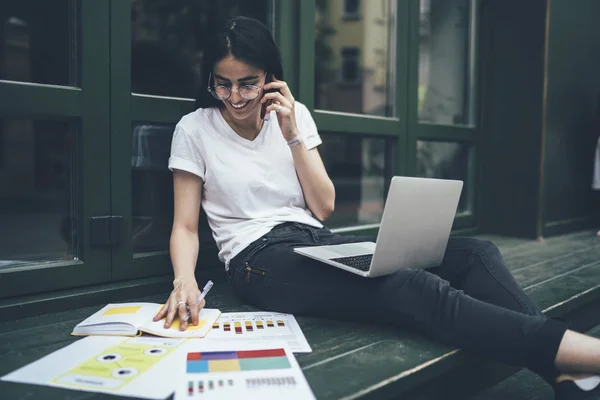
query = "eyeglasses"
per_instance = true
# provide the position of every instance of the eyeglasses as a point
(223, 92)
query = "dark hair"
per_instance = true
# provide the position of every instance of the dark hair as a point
(246, 39)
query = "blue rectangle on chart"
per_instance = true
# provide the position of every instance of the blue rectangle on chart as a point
(197, 367)
(219, 355)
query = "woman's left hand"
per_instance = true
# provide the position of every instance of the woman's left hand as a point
(282, 102)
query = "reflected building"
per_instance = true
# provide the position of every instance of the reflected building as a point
(355, 50)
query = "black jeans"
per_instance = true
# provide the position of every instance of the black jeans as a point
(471, 301)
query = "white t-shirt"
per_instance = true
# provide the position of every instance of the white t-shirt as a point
(249, 186)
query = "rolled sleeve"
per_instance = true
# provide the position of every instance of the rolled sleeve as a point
(186, 154)
(308, 129)
(185, 165)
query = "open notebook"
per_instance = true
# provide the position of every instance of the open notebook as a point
(131, 319)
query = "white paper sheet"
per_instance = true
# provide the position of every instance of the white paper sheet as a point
(133, 367)
(239, 370)
(259, 327)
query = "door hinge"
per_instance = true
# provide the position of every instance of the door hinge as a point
(106, 230)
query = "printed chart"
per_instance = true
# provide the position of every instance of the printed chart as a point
(133, 367)
(259, 327)
(117, 366)
(229, 361)
(259, 373)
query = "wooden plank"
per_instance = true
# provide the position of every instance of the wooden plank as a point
(546, 246)
(41, 304)
(566, 286)
(540, 272)
(359, 358)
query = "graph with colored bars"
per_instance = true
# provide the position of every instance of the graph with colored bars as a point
(208, 385)
(202, 386)
(260, 326)
(248, 326)
(222, 373)
(272, 382)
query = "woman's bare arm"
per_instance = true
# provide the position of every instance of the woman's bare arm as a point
(184, 245)
(184, 250)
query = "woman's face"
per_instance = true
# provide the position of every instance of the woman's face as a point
(234, 73)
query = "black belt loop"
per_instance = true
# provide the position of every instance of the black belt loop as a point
(297, 225)
(314, 236)
(304, 228)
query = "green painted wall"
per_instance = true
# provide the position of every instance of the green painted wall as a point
(512, 49)
(573, 88)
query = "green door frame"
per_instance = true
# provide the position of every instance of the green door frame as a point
(87, 105)
(127, 108)
(405, 128)
(390, 128)
(462, 134)
(354, 123)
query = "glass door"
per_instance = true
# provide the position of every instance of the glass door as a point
(54, 145)
(156, 64)
(443, 128)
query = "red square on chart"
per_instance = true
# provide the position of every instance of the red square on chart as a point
(193, 356)
(261, 353)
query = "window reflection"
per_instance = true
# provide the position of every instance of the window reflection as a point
(355, 57)
(446, 89)
(39, 41)
(351, 8)
(152, 189)
(37, 171)
(446, 160)
(360, 170)
(167, 41)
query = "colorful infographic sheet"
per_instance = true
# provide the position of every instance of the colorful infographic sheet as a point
(117, 366)
(251, 372)
(259, 328)
(133, 367)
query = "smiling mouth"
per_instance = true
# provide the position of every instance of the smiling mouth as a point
(239, 106)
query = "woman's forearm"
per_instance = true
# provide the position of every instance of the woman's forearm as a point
(318, 189)
(184, 252)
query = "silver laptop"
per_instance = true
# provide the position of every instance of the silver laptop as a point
(414, 231)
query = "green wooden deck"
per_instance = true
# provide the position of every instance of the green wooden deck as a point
(562, 274)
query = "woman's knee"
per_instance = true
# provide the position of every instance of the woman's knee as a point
(478, 246)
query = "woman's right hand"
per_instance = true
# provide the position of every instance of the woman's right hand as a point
(184, 297)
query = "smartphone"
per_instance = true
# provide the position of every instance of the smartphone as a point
(263, 110)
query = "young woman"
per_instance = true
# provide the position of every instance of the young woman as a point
(265, 190)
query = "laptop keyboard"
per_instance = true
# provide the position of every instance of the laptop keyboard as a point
(362, 262)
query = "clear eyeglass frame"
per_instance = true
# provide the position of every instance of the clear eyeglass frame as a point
(247, 92)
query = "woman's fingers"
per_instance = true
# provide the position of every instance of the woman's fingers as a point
(194, 310)
(281, 111)
(276, 96)
(171, 313)
(182, 309)
(282, 86)
(161, 313)
(179, 304)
